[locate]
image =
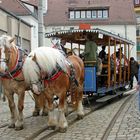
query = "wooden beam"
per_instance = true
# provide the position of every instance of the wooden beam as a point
(108, 81)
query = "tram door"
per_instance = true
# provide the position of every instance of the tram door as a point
(90, 83)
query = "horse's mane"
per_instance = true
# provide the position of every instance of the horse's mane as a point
(4, 41)
(46, 58)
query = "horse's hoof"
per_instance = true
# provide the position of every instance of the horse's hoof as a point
(35, 113)
(62, 130)
(51, 127)
(11, 126)
(19, 128)
(44, 113)
(79, 117)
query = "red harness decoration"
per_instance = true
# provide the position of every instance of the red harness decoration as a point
(54, 77)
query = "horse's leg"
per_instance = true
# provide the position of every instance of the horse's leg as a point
(37, 108)
(19, 122)
(12, 108)
(80, 109)
(62, 122)
(52, 116)
(66, 108)
(40, 103)
(45, 108)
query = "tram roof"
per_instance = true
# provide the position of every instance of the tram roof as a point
(101, 37)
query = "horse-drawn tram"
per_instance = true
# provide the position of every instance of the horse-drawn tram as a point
(105, 76)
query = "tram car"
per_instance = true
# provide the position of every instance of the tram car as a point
(115, 69)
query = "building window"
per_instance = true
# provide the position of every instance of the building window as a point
(94, 14)
(71, 14)
(83, 14)
(138, 32)
(105, 13)
(100, 14)
(89, 14)
(137, 1)
(77, 14)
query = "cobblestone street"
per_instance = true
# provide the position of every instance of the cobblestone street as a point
(92, 127)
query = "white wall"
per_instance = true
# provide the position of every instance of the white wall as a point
(34, 30)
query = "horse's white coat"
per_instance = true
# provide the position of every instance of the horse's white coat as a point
(47, 58)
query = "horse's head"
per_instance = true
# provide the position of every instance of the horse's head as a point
(5, 44)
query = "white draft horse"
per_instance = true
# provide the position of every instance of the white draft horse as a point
(11, 62)
(48, 67)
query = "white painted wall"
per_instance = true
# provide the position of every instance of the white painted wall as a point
(34, 30)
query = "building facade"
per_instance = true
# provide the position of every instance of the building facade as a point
(26, 12)
(15, 27)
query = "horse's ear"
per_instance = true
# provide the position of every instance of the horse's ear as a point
(12, 39)
(34, 57)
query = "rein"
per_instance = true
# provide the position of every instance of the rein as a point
(16, 70)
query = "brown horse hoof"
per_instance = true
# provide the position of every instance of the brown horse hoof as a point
(80, 117)
(44, 113)
(51, 127)
(11, 126)
(62, 130)
(36, 113)
(19, 128)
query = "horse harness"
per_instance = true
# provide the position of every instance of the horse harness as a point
(55, 74)
(17, 68)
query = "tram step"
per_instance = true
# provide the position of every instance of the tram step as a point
(109, 97)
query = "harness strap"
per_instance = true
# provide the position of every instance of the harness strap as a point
(54, 77)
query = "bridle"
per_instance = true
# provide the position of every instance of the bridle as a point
(4, 60)
(16, 70)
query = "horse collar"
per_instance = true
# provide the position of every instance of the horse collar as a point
(54, 75)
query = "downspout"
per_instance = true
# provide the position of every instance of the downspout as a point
(40, 24)
(125, 30)
(18, 34)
